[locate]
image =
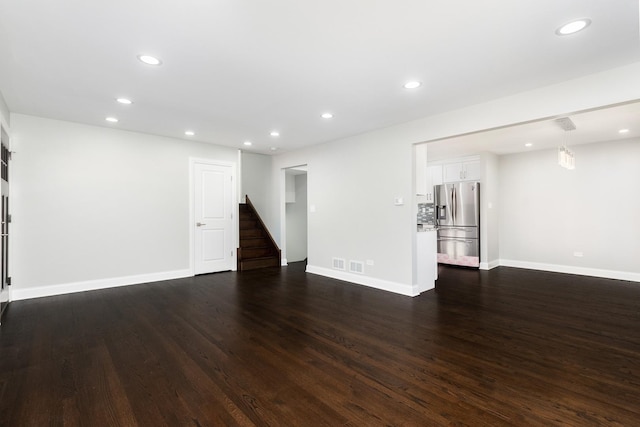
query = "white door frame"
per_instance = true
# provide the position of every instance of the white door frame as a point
(234, 200)
(283, 210)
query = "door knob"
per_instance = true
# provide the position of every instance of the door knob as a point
(200, 224)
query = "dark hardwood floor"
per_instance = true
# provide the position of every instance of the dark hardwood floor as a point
(283, 348)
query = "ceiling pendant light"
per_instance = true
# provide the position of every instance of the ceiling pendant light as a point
(566, 157)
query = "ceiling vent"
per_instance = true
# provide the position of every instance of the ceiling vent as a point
(565, 123)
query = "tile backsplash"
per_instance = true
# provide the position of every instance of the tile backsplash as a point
(426, 213)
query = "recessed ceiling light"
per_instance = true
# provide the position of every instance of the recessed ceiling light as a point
(412, 85)
(248, 143)
(274, 148)
(275, 133)
(189, 133)
(124, 101)
(623, 131)
(528, 144)
(111, 120)
(573, 27)
(327, 115)
(149, 60)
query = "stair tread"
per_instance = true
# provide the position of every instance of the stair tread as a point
(256, 248)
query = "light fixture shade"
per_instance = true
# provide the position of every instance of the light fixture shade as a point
(566, 158)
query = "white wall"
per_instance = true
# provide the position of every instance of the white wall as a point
(353, 181)
(256, 182)
(548, 213)
(93, 203)
(489, 213)
(4, 113)
(352, 186)
(296, 215)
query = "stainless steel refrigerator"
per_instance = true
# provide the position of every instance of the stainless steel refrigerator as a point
(457, 208)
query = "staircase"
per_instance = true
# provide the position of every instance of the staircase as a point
(257, 247)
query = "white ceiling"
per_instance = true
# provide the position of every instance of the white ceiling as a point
(234, 70)
(601, 125)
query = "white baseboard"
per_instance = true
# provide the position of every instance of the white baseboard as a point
(283, 262)
(371, 282)
(569, 269)
(489, 265)
(91, 285)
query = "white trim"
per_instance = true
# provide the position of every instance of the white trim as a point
(282, 192)
(284, 262)
(398, 288)
(569, 269)
(91, 285)
(283, 212)
(239, 195)
(235, 236)
(490, 265)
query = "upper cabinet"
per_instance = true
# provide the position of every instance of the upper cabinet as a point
(429, 175)
(462, 171)
(434, 177)
(426, 176)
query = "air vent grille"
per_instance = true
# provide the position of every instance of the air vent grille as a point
(338, 263)
(356, 267)
(566, 123)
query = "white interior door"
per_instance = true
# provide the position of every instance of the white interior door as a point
(213, 218)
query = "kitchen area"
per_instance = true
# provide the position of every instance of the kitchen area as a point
(515, 170)
(451, 223)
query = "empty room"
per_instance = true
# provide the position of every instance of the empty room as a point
(352, 213)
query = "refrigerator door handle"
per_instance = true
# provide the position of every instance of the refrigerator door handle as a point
(466, 230)
(454, 204)
(453, 239)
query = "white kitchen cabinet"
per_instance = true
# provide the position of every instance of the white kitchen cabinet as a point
(427, 254)
(434, 177)
(462, 171)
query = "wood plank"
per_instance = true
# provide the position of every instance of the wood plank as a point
(280, 347)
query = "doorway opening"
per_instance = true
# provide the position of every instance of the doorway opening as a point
(295, 202)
